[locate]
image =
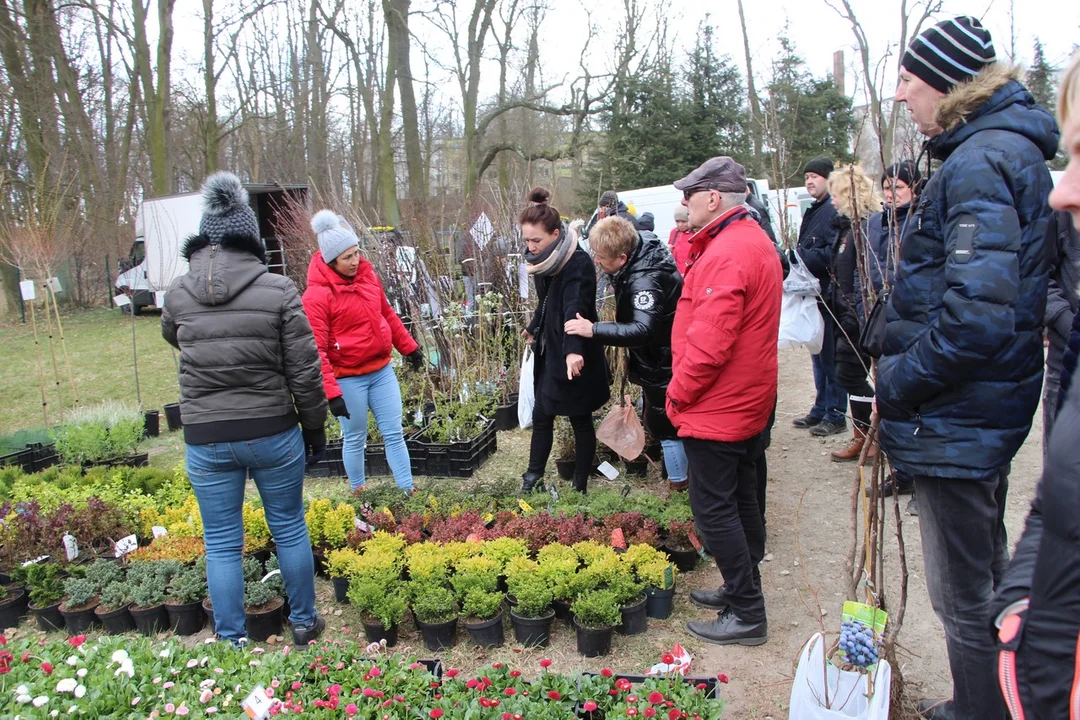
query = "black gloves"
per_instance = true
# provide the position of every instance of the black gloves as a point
(416, 359)
(315, 445)
(338, 409)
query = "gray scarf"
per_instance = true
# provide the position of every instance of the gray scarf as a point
(551, 261)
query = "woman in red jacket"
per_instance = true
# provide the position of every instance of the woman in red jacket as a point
(355, 330)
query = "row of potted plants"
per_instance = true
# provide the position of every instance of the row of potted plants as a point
(123, 677)
(591, 586)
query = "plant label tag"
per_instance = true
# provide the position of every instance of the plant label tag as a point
(525, 507)
(554, 492)
(28, 290)
(125, 545)
(361, 525)
(618, 539)
(669, 577)
(626, 491)
(270, 574)
(386, 511)
(121, 300)
(36, 560)
(608, 470)
(697, 545)
(473, 538)
(257, 705)
(53, 284)
(71, 546)
(158, 531)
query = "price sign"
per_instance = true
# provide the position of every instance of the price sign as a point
(28, 291)
(618, 538)
(158, 531)
(361, 525)
(525, 507)
(125, 545)
(608, 470)
(71, 547)
(257, 705)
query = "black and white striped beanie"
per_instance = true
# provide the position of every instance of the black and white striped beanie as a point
(949, 53)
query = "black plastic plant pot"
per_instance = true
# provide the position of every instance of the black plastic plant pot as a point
(208, 610)
(186, 618)
(488, 633)
(636, 468)
(506, 417)
(79, 620)
(266, 621)
(150, 621)
(49, 617)
(566, 468)
(12, 608)
(172, 416)
(635, 618)
(118, 621)
(562, 611)
(341, 589)
(151, 423)
(5, 579)
(658, 603)
(438, 636)
(377, 632)
(593, 642)
(532, 632)
(685, 560)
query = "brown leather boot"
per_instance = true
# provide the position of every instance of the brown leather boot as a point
(678, 486)
(853, 449)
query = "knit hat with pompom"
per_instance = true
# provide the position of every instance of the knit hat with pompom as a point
(226, 211)
(334, 234)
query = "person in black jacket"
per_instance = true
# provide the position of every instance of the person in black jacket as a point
(816, 242)
(647, 288)
(760, 212)
(570, 372)
(1061, 306)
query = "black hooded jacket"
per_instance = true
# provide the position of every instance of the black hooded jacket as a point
(647, 289)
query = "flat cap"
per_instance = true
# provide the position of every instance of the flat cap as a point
(718, 173)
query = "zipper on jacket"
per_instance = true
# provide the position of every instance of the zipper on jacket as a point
(918, 424)
(210, 274)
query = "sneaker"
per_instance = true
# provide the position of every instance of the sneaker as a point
(304, 636)
(728, 629)
(710, 599)
(828, 427)
(806, 422)
(902, 487)
(913, 506)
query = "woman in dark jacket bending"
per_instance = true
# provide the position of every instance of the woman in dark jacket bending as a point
(570, 372)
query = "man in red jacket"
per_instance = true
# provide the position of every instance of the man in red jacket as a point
(723, 389)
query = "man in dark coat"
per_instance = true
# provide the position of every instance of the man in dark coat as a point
(647, 288)
(961, 370)
(816, 239)
(1061, 305)
(609, 206)
(760, 212)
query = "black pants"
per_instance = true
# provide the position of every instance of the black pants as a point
(762, 465)
(543, 433)
(723, 497)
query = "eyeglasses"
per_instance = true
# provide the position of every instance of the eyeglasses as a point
(687, 194)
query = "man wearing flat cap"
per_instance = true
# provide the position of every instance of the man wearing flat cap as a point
(723, 389)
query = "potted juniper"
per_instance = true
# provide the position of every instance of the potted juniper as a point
(79, 604)
(436, 612)
(12, 605)
(531, 615)
(476, 582)
(596, 613)
(382, 608)
(45, 584)
(149, 590)
(187, 590)
(114, 609)
(262, 604)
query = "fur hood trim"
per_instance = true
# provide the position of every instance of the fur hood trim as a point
(964, 99)
(229, 242)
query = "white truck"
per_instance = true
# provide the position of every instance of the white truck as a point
(162, 225)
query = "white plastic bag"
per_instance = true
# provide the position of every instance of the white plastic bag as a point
(526, 393)
(846, 691)
(801, 324)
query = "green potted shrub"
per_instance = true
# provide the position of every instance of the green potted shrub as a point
(13, 602)
(105, 434)
(114, 609)
(341, 564)
(658, 576)
(45, 585)
(476, 583)
(149, 590)
(678, 546)
(81, 599)
(596, 613)
(382, 607)
(436, 612)
(186, 591)
(262, 608)
(558, 565)
(531, 614)
(630, 594)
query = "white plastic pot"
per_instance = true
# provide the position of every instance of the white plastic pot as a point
(846, 690)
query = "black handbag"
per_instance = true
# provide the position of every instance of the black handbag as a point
(872, 336)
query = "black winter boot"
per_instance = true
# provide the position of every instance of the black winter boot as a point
(531, 481)
(581, 484)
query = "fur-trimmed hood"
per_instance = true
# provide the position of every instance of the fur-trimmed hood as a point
(218, 272)
(994, 99)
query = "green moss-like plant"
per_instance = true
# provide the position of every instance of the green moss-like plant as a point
(481, 605)
(386, 604)
(79, 592)
(597, 609)
(433, 603)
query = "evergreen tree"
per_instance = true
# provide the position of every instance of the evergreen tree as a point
(1040, 79)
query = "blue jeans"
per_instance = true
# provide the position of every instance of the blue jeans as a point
(218, 473)
(674, 460)
(379, 392)
(830, 403)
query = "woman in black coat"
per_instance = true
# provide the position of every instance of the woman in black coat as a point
(570, 372)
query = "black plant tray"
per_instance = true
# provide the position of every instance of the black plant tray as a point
(711, 683)
(455, 459)
(35, 457)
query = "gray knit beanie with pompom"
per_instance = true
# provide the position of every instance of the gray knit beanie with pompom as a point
(226, 211)
(334, 234)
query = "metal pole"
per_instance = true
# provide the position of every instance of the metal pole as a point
(108, 282)
(22, 303)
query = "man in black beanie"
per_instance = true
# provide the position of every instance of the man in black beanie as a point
(816, 236)
(961, 369)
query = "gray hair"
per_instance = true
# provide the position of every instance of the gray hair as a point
(729, 200)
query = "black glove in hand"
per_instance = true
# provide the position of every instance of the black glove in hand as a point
(416, 359)
(339, 409)
(314, 445)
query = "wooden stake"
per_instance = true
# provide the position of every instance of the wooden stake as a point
(63, 345)
(52, 350)
(41, 371)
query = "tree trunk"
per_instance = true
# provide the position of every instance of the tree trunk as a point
(757, 122)
(155, 95)
(396, 13)
(211, 138)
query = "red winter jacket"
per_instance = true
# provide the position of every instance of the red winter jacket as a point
(355, 327)
(679, 242)
(723, 343)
